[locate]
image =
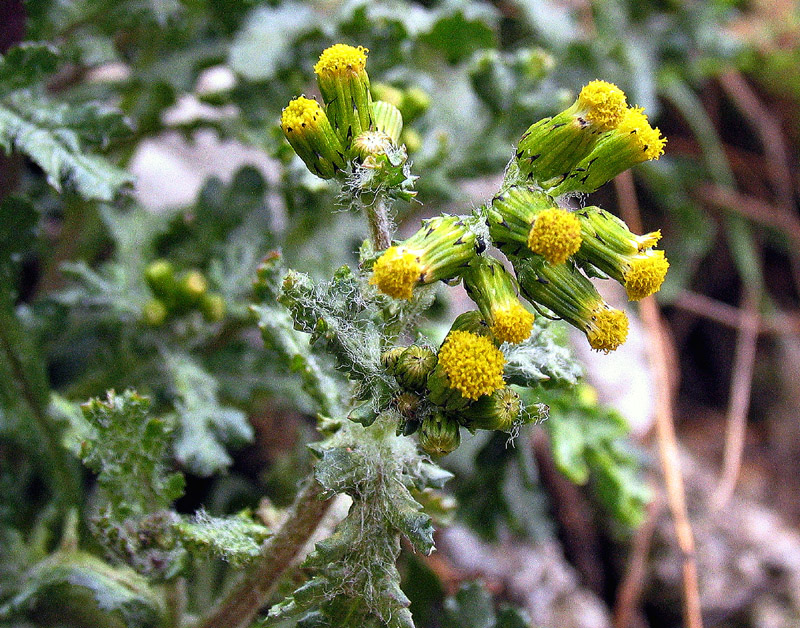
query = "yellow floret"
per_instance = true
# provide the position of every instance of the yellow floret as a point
(473, 365)
(555, 235)
(648, 240)
(647, 138)
(604, 104)
(396, 272)
(512, 323)
(341, 58)
(607, 328)
(645, 274)
(300, 113)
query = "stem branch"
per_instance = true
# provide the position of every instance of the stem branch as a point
(240, 606)
(380, 227)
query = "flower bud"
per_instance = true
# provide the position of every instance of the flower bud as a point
(570, 295)
(439, 250)
(387, 119)
(609, 246)
(389, 358)
(344, 84)
(498, 411)
(469, 367)
(160, 278)
(413, 367)
(491, 286)
(155, 312)
(309, 131)
(439, 434)
(551, 148)
(523, 218)
(632, 142)
(212, 306)
(407, 403)
(191, 288)
(472, 322)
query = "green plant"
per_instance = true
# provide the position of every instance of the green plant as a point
(361, 342)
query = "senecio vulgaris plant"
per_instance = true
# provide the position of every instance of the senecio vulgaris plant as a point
(389, 400)
(367, 319)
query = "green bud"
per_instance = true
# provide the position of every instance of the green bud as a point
(191, 288)
(387, 119)
(212, 306)
(439, 434)
(473, 322)
(155, 313)
(389, 358)
(413, 367)
(498, 411)
(160, 278)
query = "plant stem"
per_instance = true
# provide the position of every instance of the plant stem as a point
(380, 227)
(240, 606)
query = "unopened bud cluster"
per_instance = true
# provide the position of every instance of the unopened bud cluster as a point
(461, 384)
(177, 294)
(350, 137)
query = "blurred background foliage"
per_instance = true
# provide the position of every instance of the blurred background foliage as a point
(115, 77)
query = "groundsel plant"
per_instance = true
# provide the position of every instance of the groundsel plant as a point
(367, 319)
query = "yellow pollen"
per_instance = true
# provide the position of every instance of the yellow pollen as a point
(473, 365)
(608, 328)
(647, 138)
(604, 104)
(299, 114)
(341, 58)
(512, 323)
(396, 272)
(555, 235)
(645, 274)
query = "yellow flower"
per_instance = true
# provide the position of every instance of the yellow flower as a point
(341, 58)
(647, 139)
(511, 322)
(644, 274)
(396, 272)
(607, 328)
(555, 235)
(309, 131)
(603, 104)
(473, 365)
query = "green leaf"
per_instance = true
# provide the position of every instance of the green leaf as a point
(357, 582)
(76, 588)
(589, 445)
(541, 358)
(236, 539)
(55, 136)
(205, 426)
(291, 345)
(339, 317)
(462, 32)
(128, 451)
(25, 65)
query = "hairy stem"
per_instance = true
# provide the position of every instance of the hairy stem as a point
(240, 606)
(380, 227)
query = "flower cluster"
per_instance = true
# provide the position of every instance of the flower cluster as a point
(552, 248)
(352, 137)
(178, 294)
(460, 385)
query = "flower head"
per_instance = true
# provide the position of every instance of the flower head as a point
(498, 411)
(473, 365)
(603, 104)
(644, 274)
(306, 126)
(344, 84)
(396, 272)
(647, 139)
(340, 59)
(607, 328)
(511, 323)
(555, 235)
(439, 434)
